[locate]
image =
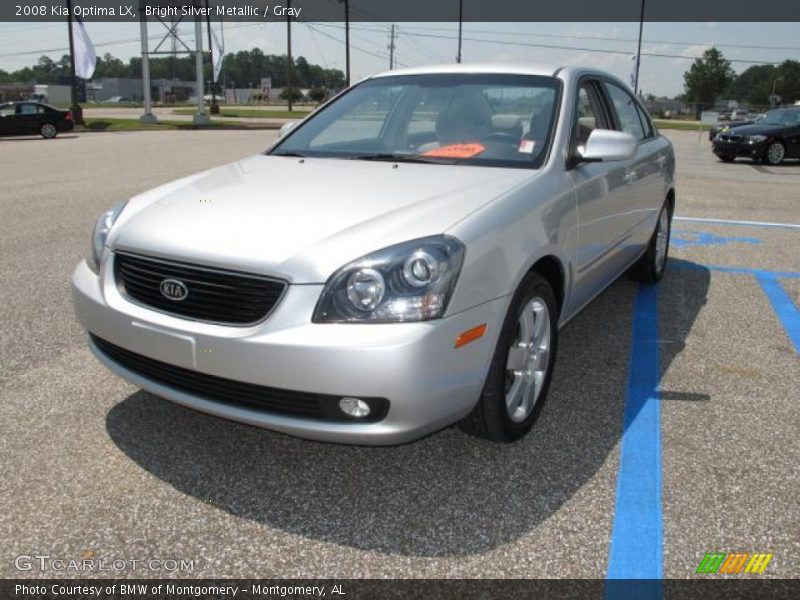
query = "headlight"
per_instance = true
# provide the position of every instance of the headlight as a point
(100, 233)
(412, 281)
(756, 139)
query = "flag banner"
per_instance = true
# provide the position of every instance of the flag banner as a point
(217, 54)
(85, 57)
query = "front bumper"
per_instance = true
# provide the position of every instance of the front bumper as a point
(740, 149)
(429, 384)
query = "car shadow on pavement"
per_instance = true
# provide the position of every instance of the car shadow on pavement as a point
(446, 495)
(37, 138)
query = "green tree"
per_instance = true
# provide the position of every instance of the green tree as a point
(318, 94)
(707, 78)
(293, 92)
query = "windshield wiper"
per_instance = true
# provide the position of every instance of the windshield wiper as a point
(294, 154)
(409, 158)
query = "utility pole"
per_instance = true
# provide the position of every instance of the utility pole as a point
(289, 64)
(346, 42)
(214, 106)
(639, 52)
(391, 48)
(77, 112)
(460, 22)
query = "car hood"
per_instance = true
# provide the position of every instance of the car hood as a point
(755, 129)
(303, 219)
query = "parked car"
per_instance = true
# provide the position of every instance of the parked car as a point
(771, 139)
(116, 100)
(29, 118)
(399, 261)
(719, 127)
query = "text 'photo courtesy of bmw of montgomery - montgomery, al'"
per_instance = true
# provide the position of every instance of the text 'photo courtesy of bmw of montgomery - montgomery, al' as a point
(400, 261)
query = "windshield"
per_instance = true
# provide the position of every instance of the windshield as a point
(476, 119)
(785, 116)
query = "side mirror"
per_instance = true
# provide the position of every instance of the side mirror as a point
(608, 145)
(286, 128)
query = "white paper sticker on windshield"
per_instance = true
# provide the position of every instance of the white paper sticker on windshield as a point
(526, 146)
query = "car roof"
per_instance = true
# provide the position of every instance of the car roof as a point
(565, 72)
(492, 68)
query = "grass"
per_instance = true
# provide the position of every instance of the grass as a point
(104, 124)
(251, 112)
(667, 124)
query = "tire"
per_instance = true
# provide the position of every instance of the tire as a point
(652, 264)
(727, 158)
(492, 418)
(48, 131)
(775, 154)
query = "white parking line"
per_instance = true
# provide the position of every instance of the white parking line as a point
(730, 222)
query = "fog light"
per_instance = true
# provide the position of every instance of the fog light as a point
(354, 407)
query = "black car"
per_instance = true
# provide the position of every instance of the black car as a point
(771, 139)
(28, 118)
(719, 127)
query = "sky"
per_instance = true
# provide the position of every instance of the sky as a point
(610, 46)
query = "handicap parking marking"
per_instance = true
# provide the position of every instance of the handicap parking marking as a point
(682, 238)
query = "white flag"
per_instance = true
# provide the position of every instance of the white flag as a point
(218, 53)
(85, 58)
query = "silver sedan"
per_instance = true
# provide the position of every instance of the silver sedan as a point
(400, 261)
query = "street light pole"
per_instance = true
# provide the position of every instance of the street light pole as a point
(346, 42)
(639, 52)
(289, 65)
(460, 21)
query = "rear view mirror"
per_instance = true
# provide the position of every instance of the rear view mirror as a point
(608, 145)
(286, 128)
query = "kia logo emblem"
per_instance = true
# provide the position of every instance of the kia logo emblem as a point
(172, 289)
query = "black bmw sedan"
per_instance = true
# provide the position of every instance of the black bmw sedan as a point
(30, 118)
(771, 139)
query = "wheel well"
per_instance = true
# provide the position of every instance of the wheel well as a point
(550, 268)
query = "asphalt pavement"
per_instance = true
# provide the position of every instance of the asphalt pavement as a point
(93, 467)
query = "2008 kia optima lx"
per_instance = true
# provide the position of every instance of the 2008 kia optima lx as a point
(400, 261)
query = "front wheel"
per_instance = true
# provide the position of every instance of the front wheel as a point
(48, 131)
(775, 154)
(519, 376)
(650, 267)
(727, 158)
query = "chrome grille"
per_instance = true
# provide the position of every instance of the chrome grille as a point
(214, 295)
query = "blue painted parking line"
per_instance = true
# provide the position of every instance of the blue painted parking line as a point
(786, 311)
(636, 538)
(784, 308)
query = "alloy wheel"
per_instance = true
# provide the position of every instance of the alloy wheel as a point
(49, 131)
(775, 153)
(528, 359)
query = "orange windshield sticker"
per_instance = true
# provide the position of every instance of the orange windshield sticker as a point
(464, 150)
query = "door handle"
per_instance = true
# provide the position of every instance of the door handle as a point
(630, 176)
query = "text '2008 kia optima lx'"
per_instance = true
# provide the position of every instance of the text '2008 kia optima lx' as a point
(400, 261)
